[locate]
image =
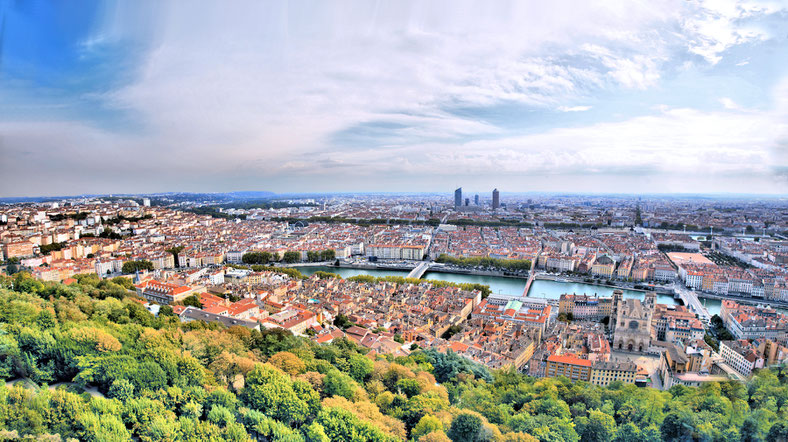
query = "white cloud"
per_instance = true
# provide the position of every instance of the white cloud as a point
(678, 141)
(718, 25)
(234, 92)
(574, 108)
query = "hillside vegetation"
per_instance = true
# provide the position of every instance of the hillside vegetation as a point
(121, 373)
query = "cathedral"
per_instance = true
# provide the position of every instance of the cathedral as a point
(631, 322)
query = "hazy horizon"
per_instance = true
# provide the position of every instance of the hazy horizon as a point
(333, 97)
(483, 196)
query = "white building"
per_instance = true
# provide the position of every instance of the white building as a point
(741, 356)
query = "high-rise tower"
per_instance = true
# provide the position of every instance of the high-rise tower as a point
(496, 199)
(458, 197)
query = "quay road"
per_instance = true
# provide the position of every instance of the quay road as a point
(692, 302)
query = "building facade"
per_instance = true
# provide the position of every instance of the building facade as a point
(632, 330)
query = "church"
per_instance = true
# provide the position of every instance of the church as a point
(632, 322)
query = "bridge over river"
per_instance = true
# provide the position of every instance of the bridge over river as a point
(692, 302)
(419, 271)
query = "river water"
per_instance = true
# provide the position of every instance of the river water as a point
(509, 286)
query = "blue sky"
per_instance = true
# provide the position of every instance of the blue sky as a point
(626, 96)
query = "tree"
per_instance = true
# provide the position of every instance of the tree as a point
(360, 367)
(11, 268)
(451, 331)
(287, 362)
(751, 431)
(328, 255)
(426, 425)
(174, 251)
(271, 391)
(134, 266)
(101, 428)
(409, 387)
(465, 427)
(121, 389)
(220, 416)
(193, 301)
(628, 432)
(170, 381)
(291, 257)
(337, 383)
(342, 425)
(109, 233)
(778, 432)
(124, 282)
(256, 258)
(342, 321)
(598, 426)
(677, 425)
(447, 366)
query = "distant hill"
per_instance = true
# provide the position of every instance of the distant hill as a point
(250, 194)
(241, 195)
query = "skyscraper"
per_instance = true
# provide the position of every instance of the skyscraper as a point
(476, 199)
(458, 197)
(496, 199)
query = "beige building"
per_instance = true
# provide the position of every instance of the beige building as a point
(603, 373)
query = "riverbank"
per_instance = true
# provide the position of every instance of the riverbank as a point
(474, 272)
(582, 280)
(551, 289)
(744, 300)
(501, 283)
(407, 267)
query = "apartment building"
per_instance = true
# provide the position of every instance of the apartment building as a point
(162, 292)
(574, 368)
(605, 372)
(741, 356)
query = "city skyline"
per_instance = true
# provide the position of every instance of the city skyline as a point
(664, 97)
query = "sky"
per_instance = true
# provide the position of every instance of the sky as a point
(625, 96)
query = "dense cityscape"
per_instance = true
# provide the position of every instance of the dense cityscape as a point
(240, 266)
(648, 268)
(421, 221)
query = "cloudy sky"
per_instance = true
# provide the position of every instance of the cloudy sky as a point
(621, 96)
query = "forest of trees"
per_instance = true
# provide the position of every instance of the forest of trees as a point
(46, 249)
(135, 266)
(505, 264)
(289, 257)
(116, 372)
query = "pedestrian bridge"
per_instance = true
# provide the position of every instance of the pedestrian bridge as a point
(419, 271)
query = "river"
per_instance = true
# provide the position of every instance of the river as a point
(498, 284)
(542, 288)
(503, 285)
(346, 272)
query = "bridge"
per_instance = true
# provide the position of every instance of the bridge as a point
(419, 271)
(692, 302)
(531, 277)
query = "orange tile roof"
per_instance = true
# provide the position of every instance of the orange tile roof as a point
(569, 359)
